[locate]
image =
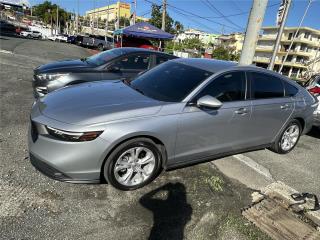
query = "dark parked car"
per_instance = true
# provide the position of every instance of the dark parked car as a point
(6, 27)
(118, 63)
(96, 41)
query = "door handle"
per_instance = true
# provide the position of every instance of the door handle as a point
(241, 111)
(285, 106)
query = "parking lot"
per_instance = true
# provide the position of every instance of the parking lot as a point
(198, 202)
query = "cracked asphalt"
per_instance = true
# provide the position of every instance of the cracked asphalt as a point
(198, 202)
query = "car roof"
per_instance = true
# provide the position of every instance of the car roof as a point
(127, 50)
(210, 65)
(214, 65)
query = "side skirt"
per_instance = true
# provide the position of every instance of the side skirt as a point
(193, 162)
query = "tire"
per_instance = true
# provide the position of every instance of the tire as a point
(134, 175)
(100, 47)
(280, 146)
(28, 36)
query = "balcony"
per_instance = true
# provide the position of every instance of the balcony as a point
(292, 63)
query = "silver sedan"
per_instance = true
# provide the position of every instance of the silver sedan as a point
(182, 112)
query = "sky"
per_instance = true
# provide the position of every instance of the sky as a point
(207, 15)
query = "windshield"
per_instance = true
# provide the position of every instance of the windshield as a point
(170, 81)
(103, 57)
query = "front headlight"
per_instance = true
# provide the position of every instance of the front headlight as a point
(50, 77)
(73, 136)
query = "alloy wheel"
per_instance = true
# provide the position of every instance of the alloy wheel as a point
(290, 137)
(134, 166)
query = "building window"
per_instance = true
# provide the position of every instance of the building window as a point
(306, 35)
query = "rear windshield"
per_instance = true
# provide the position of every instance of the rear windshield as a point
(104, 57)
(170, 81)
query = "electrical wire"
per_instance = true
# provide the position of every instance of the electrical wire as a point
(213, 8)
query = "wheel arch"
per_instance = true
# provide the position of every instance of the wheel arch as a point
(302, 123)
(156, 140)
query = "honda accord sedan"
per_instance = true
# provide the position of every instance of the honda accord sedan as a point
(120, 63)
(182, 112)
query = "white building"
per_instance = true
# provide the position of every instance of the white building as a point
(304, 51)
(205, 38)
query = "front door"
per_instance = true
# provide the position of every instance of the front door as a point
(207, 132)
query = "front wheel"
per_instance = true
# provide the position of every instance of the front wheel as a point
(133, 164)
(288, 139)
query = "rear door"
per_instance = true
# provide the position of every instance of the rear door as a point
(270, 107)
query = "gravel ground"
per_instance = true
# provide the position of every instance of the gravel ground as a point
(192, 203)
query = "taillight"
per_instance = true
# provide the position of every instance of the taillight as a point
(315, 90)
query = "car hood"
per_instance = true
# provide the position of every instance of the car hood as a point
(97, 102)
(63, 66)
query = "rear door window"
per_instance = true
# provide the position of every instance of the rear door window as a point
(264, 86)
(161, 59)
(289, 89)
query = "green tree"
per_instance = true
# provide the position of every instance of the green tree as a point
(47, 11)
(225, 53)
(156, 19)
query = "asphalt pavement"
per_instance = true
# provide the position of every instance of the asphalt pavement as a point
(198, 202)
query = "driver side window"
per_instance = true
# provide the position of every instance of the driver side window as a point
(227, 87)
(134, 62)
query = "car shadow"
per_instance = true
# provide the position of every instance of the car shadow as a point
(314, 132)
(171, 211)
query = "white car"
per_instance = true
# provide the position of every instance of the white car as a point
(58, 38)
(314, 88)
(31, 34)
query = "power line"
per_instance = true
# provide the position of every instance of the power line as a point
(239, 14)
(237, 6)
(196, 15)
(199, 23)
(187, 17)
(212, 7)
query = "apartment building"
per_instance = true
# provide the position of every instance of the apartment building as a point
(302, 58)
(233, 41)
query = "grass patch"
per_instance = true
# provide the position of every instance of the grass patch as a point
(246, 228)
(215, 183)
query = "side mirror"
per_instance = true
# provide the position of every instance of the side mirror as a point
(114, 69)
(209, 102)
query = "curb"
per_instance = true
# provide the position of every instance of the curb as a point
(282, 194)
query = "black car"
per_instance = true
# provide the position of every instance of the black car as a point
(118, 63)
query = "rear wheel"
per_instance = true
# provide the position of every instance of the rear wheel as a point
(288, 139)
(133, 164)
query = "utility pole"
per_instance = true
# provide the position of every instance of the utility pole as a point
(295, 35)
(118, 15)
(107, 22)
(135, 12)
(77, 19)
(286, 6)
(164, 13)
(57, 22)
(252, 32)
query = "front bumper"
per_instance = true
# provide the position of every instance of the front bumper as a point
(40, 87)
(74, 162)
